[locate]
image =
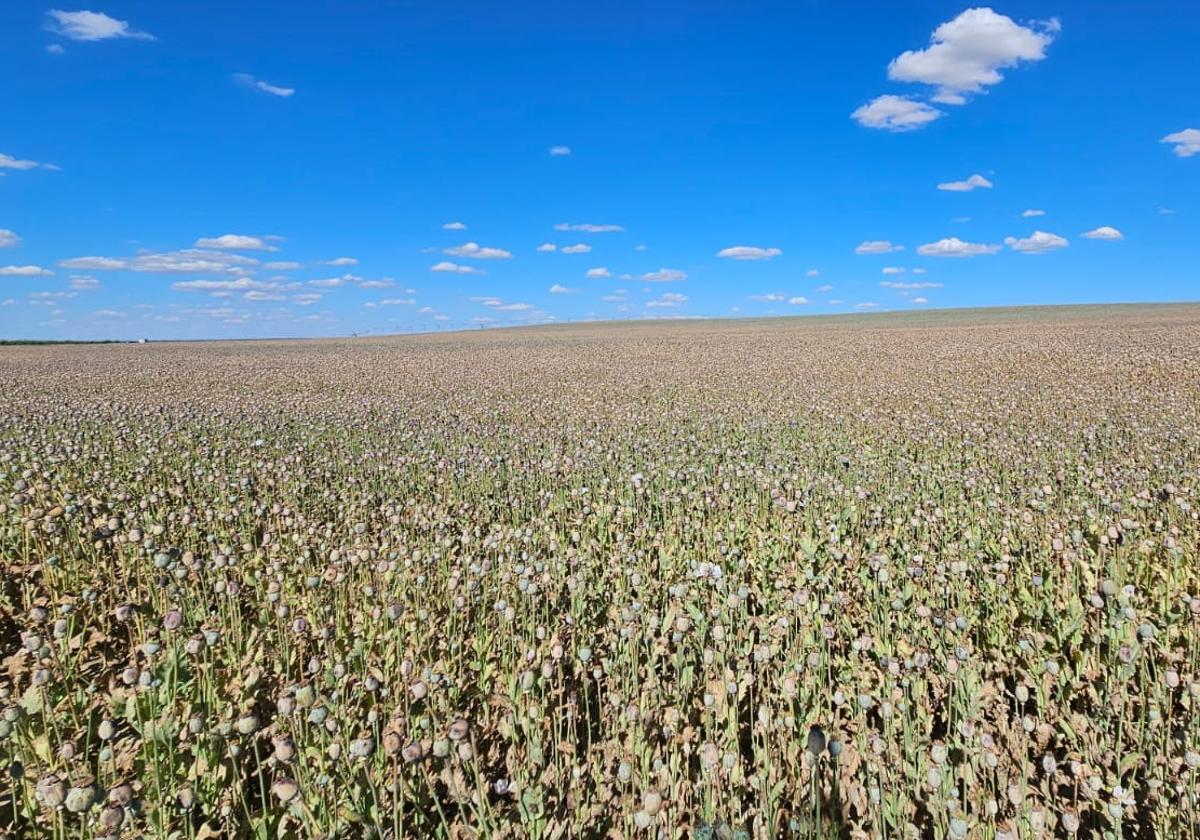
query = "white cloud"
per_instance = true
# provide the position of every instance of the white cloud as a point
(334, 282)
(454, 268)
(598, 273)
(798, 301)
(472, 250)
(339, 261)
(235, 242)
(920, 300)
(613, 298)
(972, 183)
(1039, 242)
(587, 227)
(770, 297)
(381, 283)
(668, 300)
(8, 239)
(966, 54)
(894, 284)
(10, 162)
(513, 307)
(92, 26)
(560, 151)
(189, 260)
(84, 282)
(665, 275)
(1187, 142)
(454, 226)
(24, 271)
(870, 304)
(895, 113)
(558, 289)
(55, 49)
(877, 246)
(579, 248)
(262, 87)
(955, 247)
(397, 302)
(283, 265)
(639, 247)
(893, 269)
(919, 271)
(1110, 234)
(748, 252)
(1030, 213)
(257, 296)
(241, 284)
(308, 298)
(812, 272)
(547, 247)
(109, 314)
(825, 289)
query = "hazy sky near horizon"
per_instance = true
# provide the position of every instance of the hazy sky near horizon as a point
(241, 170)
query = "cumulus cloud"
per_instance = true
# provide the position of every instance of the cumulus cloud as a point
(1038, 242)
(955, 247)
(770, 297)
(1104, 232)
(869, 304)
(598, 273)
(895, 113)
(667, 300)
(24, 271)
(454, 268)
(10, 162)
(894, 284)
(339, 261)
(825, 289)
(397, 302)
(283, 265)
(798, 301)
(973, 183)
(665, 275)
(748, 252)
(547, 247)
(587, 227)
(1186, 143)
(877, 246)
(1031, 212)
(920, 300)
(186, 261)
(474, 251)
(241, 284)
(580, 248)
(83, 283)
(8, 239)
(92, 26)
(893, 269)
(246, 80)
(559, 289)
(454, 226)
(307, 299)
(560, 151)
(966, 54)
(236, 242)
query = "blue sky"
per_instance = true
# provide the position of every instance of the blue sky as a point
(238, 170)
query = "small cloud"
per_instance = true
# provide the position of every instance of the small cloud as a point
(613, 298)
(55, 49)
(381, 283)
(580, 248)
(1186, 142)
(812, 272)
(1039, 242)
(454, 226)
(919, 271)
(109, 314)
(895, 113)
(955, 247)
(397, 302)
(877, 246)
(893, 269)
(639, 247)
(825, 289)
(975, 182)
(340, 261)
(453, 268)
(558, 289)
(284, 265)
(83, 282)
(748, 252)
(547, 247)
(961, 219)
(1031, 212)
(246, 80)
(560, 151)
(920, 300)
(10, 162)
(894, 284)
(92, 26)
(8, 239)
(307, 299)
(513, 307)
(587, 227)
(770, 297)
(24, 271)
(598, 273)
(235, 242)
(665, 275)
(474, 251)
(668, 300)
(798, 301)
(870, 304)
(257, 296)
(1106, 233)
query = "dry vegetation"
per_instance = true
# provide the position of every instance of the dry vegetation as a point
(885, 577)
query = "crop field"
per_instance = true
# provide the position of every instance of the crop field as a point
(932, 575)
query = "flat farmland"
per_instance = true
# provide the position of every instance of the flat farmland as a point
(919, 575)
